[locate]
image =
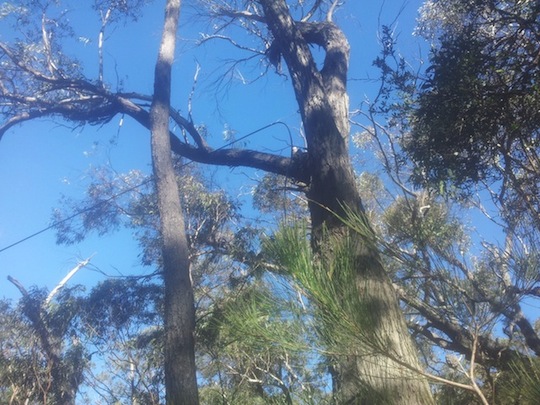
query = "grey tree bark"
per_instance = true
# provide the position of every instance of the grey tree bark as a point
(363, 377)
(180, 369)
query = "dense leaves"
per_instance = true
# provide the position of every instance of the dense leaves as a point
(477, 115)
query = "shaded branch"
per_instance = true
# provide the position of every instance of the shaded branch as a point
(461, 340)
(89, 103)
(32, 310)
(224, 157)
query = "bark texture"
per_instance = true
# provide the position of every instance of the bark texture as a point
(372, 376)
(180, 370)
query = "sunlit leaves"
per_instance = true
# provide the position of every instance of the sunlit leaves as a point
(410, 221)
(126, 199)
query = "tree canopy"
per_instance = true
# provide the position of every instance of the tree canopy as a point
(357, 282)
(477, 116)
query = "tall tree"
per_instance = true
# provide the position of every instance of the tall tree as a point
(322, 98)
(125, 315)
(180, 369)
(440, 260)
(476, 122)
(325, 170)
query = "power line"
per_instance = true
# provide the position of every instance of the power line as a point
(113, 197)
(76, 214)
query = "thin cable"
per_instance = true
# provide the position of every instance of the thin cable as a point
(55, 224)
(113, 197)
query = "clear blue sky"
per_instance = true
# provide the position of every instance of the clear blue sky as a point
(41, 160)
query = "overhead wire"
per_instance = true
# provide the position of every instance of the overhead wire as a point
(149, 179)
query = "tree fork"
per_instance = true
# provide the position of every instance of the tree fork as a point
(372, 377)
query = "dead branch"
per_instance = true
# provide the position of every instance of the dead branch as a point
(63, 282)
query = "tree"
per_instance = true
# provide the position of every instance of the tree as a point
(462, 286)
(476, 117)
(325, 169)
(42, 358)
(180, 369)
(476, 124)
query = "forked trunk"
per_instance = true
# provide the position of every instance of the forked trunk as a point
(365, 375)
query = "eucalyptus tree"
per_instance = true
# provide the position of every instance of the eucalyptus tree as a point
(465, 289)
(42, 360)
(40, 80)
(125, 316)
(476, 118)
(179, 304)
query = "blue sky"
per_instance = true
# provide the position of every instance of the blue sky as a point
(41, 160)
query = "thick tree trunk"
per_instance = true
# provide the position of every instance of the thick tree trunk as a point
(371, 376)
(180, 370)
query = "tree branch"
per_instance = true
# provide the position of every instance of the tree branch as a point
(63, 282)
(490, 351)
(224, 157)
(33, 310)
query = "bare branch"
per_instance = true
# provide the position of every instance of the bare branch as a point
(19, 286)
(225, 157)
(472, 366)
(331, 10)
(25, 116)
(190, 128)
(63, 282)
(53, 69)
(246, 14)
(192, 92)
(491, 351)
(208, 37)
(23, 67)
(104, 20)
(312, 11)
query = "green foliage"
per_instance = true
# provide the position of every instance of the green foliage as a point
(258, 345)
(344, 318)
(521, 382)
(408, 222)
(273, 195)
(19, 350)
(115, 200)
(117, 304)
(120, 9)
(477, 114)
(42, 359)
(122, 321)
(456, 125)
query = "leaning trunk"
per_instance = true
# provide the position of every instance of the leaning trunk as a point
(180, 371)
(378, 373)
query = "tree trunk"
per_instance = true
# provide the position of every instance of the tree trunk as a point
(364, 377)
(180, 371)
